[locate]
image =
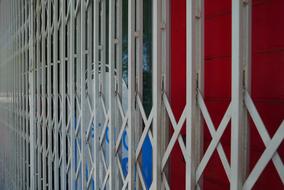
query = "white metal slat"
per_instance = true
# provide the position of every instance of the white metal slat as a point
(39, 109)
(56, 102)
(32, 99)
(72, 95)
(111, 93)
(28, 87)
(139, 28)
(102, 118)
(18, 127)
(131, 94)
(166, 66)
(22, 101)
(49, 98)
(194, 59)
(157, 86)
(96, 92)
(239, 81)
(120, 119)
(63, 59)
(90, 95)
(44, 97)
(83, 92)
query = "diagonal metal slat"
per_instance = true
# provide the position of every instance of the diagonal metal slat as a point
(264, 134)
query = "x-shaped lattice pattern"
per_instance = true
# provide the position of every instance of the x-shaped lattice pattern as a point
(147, 121)
(271, 146)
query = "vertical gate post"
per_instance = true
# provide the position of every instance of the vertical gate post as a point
(131, 93)
(200, 18)
(32, 98)
(240, 82)
(194, 83)
(64, 178)
(57, 154)
(157, 95)
(111, 86)
(49, 101)
(83, 81)
(72, 94)
(43, 97)
(96, 92)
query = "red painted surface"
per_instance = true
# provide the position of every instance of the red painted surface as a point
(267, 82)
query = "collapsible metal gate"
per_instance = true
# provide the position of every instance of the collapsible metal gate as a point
(66, 109)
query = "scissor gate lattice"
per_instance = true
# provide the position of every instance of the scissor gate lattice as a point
(72, 112)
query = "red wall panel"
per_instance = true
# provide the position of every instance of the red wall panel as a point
(267, 81)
